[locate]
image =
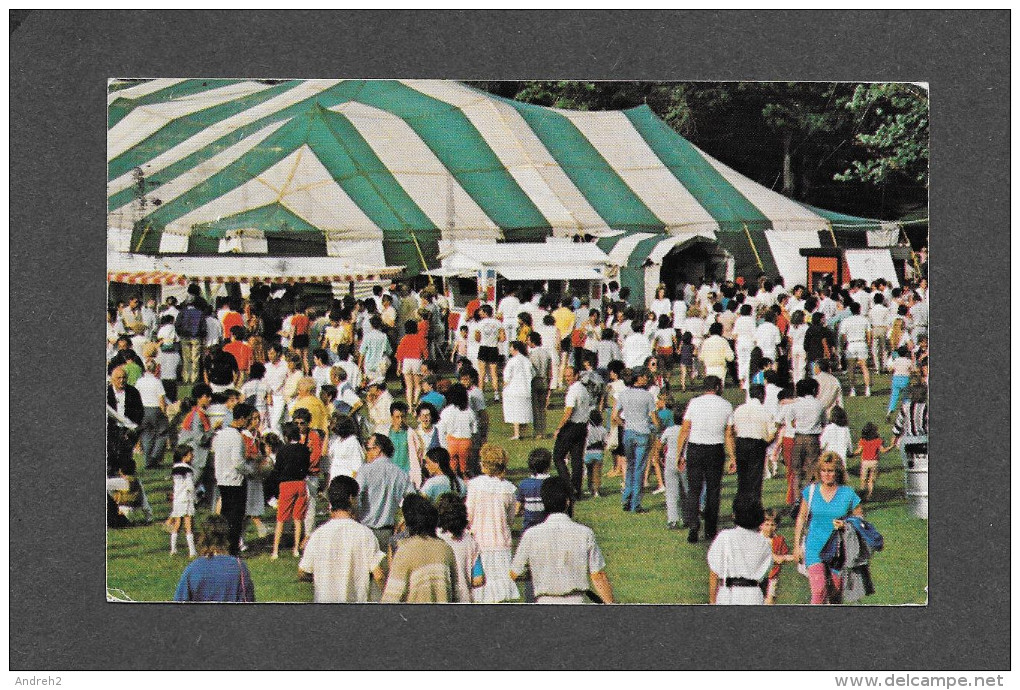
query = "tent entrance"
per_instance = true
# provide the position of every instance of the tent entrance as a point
(688, 263)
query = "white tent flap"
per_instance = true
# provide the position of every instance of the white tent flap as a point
(871, 264)
(786, 246)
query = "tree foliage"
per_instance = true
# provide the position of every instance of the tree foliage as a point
(893, 133)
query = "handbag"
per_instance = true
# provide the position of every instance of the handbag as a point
(801, 565)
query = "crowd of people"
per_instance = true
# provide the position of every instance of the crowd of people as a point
(287, 406)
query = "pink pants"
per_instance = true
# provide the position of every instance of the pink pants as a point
(823, 592)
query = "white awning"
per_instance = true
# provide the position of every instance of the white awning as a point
(871, 264)
(551, 272)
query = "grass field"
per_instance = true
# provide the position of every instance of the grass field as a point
(646, 562)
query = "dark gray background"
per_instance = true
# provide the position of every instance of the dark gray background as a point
(59, 66)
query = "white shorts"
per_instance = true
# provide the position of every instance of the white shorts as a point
(412, 366)
(857, 350)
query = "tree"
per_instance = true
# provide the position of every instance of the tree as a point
(892, 138)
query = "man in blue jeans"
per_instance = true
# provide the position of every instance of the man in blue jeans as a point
(635, 413)
(707, 430)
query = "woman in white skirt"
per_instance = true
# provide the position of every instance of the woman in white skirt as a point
(255, 448)
(517, 376)
(491, 507)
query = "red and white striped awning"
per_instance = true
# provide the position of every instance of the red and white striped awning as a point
(291, 280)
(179, 270)
(146, 278)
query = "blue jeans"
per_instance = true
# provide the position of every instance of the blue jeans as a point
(635, 447)
(899, 383)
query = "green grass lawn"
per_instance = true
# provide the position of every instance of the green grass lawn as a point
(646, 562)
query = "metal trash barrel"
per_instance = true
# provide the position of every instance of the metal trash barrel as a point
(915, 477)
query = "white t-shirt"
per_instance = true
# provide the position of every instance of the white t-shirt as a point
(744, 330)
(228, 452)
(740, 552)
(151, 390)
(457, 423)
(696, 326)
(670, 440)
(679, 313)
(489, 328)
(636, 349)
(836, 438)
(276, 376)
(709, 416)
(900, 366)
(167, 333)
(855, 328)
(346, 456)
(878, 316)
(661, 307)
(767, 337)
(341, 555)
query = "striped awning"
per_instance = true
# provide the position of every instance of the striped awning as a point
(145, 278)
(180, 270)
(327, 167)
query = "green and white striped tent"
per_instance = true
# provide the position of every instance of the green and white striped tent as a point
(378, 172)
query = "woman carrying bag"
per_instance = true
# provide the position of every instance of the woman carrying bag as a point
(824, 505)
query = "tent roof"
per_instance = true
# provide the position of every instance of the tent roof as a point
(313, 164)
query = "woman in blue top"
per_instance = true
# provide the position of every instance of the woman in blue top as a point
(823, 506)
(215, 575)
(442, 479)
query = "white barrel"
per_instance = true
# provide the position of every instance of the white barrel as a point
(915, 477)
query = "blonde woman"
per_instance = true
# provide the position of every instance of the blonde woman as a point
(491, 507)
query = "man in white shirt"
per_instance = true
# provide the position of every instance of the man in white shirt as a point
(879, 318)
(154, 427)
(754, 429)
(572, 431)
(707, 430)
(507, 310)
(561, 554)
(342, 556)
(229, 457)
(855, 332)
(636, 347)
(860, 296)
(767, 336)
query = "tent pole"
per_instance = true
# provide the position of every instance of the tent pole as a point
(754, 249)
(832, 234)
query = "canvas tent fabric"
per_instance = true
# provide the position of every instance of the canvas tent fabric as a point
(336, 167)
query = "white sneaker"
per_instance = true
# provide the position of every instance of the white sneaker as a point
(272, 502)
(853, 393)
(660, 490)
(867, 392)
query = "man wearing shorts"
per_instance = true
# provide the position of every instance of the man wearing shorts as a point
(855, 331)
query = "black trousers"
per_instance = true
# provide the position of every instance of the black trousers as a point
(750, 465)
(233, 500)
(570, 440)
(704, 467)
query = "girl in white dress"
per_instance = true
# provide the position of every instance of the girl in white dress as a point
(183, 509)
(517, 376)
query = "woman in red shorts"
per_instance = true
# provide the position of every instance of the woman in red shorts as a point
(292, 464)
